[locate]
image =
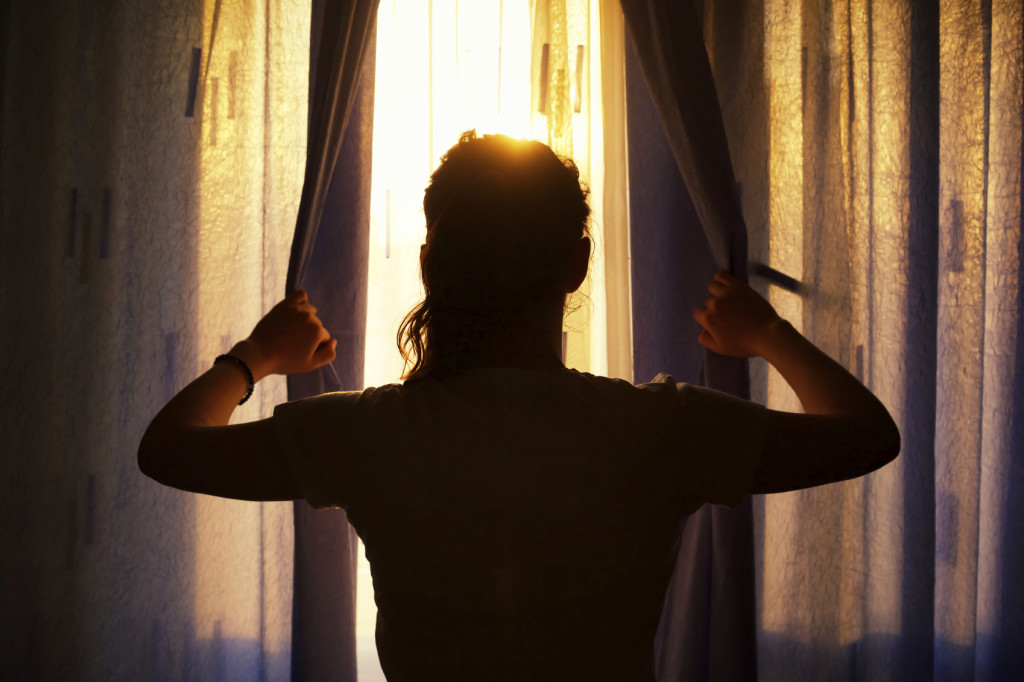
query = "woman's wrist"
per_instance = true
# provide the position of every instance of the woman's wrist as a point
(249, 353)
(775, 337)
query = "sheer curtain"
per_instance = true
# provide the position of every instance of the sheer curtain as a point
(151, 169)
(526, 68)
(877, 154)
(878, 147)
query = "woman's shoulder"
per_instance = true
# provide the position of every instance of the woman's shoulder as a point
(663, 386)
(334, 402)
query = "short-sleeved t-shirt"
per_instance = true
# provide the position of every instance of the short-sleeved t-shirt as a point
(521, 524)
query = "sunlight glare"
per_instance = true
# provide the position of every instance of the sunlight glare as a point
(442, 68)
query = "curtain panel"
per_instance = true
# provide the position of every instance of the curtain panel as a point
(878, 150)
(707, 628)
(894, 185)
(149, 176)
(329, 260)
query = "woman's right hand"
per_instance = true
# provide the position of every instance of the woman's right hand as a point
(737, 320)
(290, 339)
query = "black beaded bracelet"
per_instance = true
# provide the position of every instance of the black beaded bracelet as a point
(245, 368)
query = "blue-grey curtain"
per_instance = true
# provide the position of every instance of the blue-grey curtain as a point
(686, 224)
(329, 260)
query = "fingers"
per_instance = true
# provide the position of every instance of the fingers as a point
(705, 339)
(300, 300)
(700, 314)
(325, 352)
(324, 336)
(721, 283)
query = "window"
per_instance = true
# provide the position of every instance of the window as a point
(519, 67)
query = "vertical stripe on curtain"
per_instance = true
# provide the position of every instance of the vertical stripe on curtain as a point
(707, 628)
(329, 260)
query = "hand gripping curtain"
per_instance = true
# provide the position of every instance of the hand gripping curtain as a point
(328, 259)
(707, 630)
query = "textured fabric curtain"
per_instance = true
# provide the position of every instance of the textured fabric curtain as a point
(878, 150)
(329, 260)
(563, 117)
(894, 195)
(707, 628)
(149, 176)
(576, 107)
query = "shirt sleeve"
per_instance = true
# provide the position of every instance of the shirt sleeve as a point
(724, 437)
(312, 432)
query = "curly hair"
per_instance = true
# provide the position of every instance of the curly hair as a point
(503, 217)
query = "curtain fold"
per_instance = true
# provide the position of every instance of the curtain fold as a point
(670, 46)
(707, 629)
(329, 260)
(341, 34)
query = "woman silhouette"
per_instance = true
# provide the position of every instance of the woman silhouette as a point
(520, 518)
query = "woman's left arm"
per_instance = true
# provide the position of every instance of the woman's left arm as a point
(189, 444)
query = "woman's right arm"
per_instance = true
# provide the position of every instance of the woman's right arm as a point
(845, 431)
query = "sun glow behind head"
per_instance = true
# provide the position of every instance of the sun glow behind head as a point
(442, 67)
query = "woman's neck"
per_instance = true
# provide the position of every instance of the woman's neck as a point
(536, 344)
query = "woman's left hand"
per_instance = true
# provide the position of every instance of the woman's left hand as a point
(290, 339)
(737, 320)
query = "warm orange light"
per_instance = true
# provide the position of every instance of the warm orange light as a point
(242, 583)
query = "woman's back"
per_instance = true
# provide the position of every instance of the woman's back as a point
(520, 522)
(520, 518)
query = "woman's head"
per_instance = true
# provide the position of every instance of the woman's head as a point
(504, 222)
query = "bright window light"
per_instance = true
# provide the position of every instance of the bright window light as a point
(444, 67)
